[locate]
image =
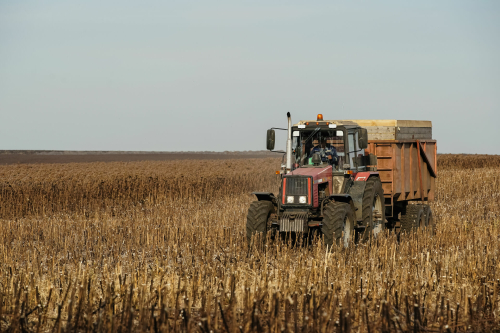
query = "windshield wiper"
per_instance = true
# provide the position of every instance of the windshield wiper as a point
(316, 130)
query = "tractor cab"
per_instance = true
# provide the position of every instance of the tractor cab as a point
(319, 143)
(336, 146)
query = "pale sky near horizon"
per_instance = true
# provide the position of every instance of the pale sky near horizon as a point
(214, 75)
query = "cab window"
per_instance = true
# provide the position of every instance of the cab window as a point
(355, 153)
(329, 144)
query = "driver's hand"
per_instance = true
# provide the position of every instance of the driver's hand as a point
(329, 157)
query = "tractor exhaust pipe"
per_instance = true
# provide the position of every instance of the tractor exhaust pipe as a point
(289, 145)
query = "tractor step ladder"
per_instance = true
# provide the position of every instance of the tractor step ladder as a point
(385, 168)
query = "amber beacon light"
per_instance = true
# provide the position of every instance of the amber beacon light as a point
(320, 117)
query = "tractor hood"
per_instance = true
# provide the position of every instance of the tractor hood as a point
(316, 173)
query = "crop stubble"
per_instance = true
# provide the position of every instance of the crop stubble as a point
(160, 246)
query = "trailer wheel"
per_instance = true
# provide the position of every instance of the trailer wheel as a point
(430, 223)
(258, 214)
(413, 219)
(338, 224)
(373, 208)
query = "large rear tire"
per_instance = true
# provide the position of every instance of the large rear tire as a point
(373, 208)
(413, 219)
(257, 218)
(338, 224)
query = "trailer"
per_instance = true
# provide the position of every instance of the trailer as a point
(406, 161)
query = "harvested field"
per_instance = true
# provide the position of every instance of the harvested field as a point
(161, 246)
(119, 187)
(468, 162)
(30, 157)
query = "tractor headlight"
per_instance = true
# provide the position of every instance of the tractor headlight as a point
(289, 199)
(303, 199)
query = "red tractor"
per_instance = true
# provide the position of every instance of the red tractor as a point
(341, 179)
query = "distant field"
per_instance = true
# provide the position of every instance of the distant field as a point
(40, 156)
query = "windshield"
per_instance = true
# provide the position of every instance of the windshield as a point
(328, 144)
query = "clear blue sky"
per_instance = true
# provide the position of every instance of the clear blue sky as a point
(214, 75)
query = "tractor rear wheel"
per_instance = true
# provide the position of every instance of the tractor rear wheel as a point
(338, 224)
(413, 219)
(257, 217)
(373, 208)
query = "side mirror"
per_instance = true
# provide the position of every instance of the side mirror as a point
(270, 139)
(362, 138)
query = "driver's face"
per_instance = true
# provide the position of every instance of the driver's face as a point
(315, 143)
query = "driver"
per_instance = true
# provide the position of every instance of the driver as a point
(316, 149)
(331, 152)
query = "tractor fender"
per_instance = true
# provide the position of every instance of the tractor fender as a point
(363, 176)
(343, 198)
(265, 196)
(357, 190)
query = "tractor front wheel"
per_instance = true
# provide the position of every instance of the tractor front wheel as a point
(338, 224)
(257, 217)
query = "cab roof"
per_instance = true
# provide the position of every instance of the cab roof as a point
(370, 123)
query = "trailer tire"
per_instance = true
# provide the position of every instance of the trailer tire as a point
(413, 219)
(338, 224)
(257, 217)
(373, 200)
(430, 223)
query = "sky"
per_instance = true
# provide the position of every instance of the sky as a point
(215, 75)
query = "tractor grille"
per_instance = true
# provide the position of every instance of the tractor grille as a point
(296, 185)
(293, 222)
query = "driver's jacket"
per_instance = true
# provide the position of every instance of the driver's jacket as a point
(319, 150)
(332, 152)
(324, 153)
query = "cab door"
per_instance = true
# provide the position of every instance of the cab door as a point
(355, 154)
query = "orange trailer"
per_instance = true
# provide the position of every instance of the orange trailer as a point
(406, 160)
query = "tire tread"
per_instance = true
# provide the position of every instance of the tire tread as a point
(409, 221)
(333, 222)
(373, 185)
(257, 216)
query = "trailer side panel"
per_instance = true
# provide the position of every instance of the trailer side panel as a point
(407, 168)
